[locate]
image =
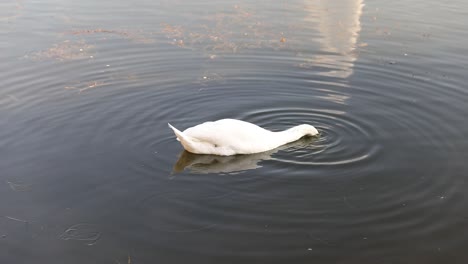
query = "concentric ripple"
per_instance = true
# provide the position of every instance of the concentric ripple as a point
(343, 138)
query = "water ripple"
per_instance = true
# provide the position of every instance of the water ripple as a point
(337, 132)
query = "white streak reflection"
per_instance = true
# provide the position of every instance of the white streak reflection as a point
(339, 25)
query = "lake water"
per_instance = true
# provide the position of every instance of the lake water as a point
(90, 172)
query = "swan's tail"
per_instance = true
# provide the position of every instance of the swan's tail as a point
(177, 132)
(187, 142)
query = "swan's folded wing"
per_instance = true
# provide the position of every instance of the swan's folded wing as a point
(227, 132)
(207, 132)
(193, 144)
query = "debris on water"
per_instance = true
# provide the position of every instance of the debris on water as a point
(174, 31)
(92, 85)
(16, 219)
(362, 44)
(72, 49)
(64, 51)
(82, 88)
(19, 187)
(134, 36)
(225, 32)
(392, 62)
(426, 35)
(210, 77)
(95, 31)
(82, 232)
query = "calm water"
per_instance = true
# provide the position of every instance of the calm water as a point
(90, 172)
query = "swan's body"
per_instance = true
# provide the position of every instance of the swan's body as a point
(227, 137)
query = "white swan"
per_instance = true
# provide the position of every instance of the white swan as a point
(227, 137)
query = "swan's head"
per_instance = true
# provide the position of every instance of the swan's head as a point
(307, 130)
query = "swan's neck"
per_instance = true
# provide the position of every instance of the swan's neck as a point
(287, 136)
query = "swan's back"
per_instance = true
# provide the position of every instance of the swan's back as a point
(227, 132)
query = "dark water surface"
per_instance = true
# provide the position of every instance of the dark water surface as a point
(90, 172)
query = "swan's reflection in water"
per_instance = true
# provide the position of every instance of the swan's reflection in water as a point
(339, 24)
(203, 164)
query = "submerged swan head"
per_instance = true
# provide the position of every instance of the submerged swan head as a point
(306, 130)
